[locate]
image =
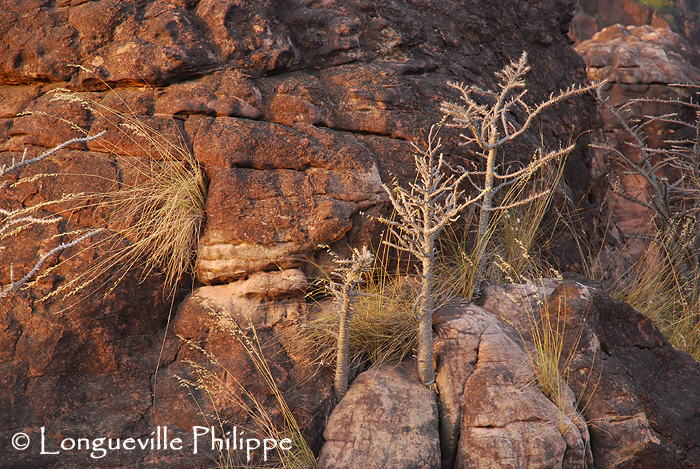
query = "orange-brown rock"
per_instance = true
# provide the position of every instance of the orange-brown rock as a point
(297, 111)
(593, 15)
(492, 411)
(640, 63)
(386, 419)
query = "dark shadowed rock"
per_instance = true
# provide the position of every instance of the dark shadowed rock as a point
(639, 394)
(387, 419)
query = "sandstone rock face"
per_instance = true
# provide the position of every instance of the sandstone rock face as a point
(210, 323)
(636, 55)
(298, 112)
(639, 395)
(492, 412)
(387, 419)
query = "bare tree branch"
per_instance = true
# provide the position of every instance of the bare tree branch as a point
(493, 124)
(14, 221)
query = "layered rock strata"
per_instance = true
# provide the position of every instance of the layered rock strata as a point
(297, 112)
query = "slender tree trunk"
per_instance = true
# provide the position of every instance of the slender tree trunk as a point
(485, 212)
(426, 370)
(341, 367)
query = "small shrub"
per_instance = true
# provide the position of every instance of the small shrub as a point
(490, 120)
(433, 202)
(513, 240)
(382, 327)
(350, 274)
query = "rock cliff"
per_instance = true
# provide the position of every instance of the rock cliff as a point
(297, 111)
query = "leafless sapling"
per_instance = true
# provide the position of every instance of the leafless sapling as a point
(494, 118)
(424, 210)
(350, 274)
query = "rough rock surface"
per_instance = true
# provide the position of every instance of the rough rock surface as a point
(632, 399)
(387, 419)
(639, 394)
(636, 55)
(492, 412)
(640, 62)
(210, 322)
(296, 110)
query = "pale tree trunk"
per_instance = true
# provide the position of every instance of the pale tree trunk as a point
(487, 202)
(341, 368)
(426, 370)
(485, 212)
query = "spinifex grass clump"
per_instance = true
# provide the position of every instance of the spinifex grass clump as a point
(521, 229)
(382, 327)
(657, 290)
(156, 209)
(549, 364)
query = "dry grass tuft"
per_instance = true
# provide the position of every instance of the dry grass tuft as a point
(659, 291)
(383, 326)
(549, 358)
(665, 283)
(217, 386)
(384, 321)
(156, 208)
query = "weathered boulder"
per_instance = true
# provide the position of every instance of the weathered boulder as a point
(632, 399)
(387, 419)
(492, 411)
(636, 55)
(593, 15)
(639, 395)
